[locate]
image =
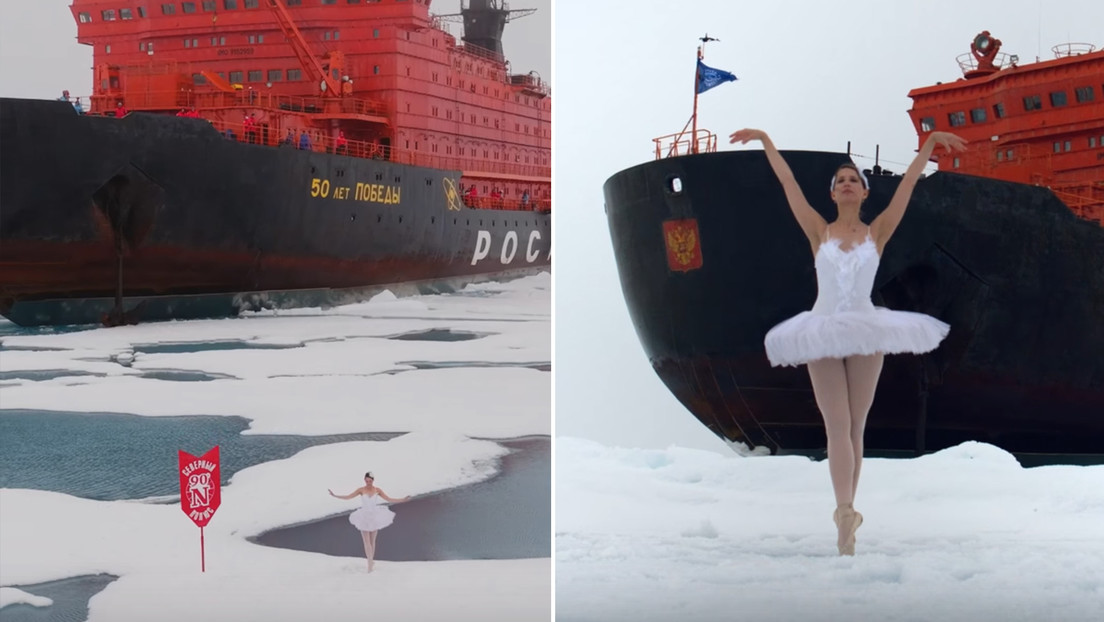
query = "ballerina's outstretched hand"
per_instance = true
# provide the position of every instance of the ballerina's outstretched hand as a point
(746, 135)
(949, 141)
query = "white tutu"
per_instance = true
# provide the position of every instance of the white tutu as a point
(371, 515)
(844, 322)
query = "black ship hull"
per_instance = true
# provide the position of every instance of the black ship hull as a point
(152, 207)
(1016, 275)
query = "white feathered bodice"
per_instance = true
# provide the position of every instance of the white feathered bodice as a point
(845, 278)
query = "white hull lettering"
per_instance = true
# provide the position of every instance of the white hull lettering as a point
(509, 248)
(482, 247)
(530, 254)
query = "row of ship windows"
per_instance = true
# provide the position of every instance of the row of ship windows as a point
(487, 154)
(1008, 155)
(1032, 102)
(435, 111)
(258, 75)
(274, 75)
(147, 46)
(169, 8)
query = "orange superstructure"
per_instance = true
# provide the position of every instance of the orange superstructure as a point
(382, 74)
(1040, 123)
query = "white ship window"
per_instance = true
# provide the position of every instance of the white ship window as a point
(187, 43)
(229, 5)
(168, 9)
(126, 14)
(108, 15)
(329, 1)
(956, 162)
(1000, 156)
(141, 11)
(326, 36)
(375, 33)
(294, 75)
(107, 49)
(998, 110)
(375, 69)
(188, 7)
(256, 75)
(1057, 147)
(927, 124)
(275, 75)
(250, 4)
(210, 5)
(1011, 153)
(1058, 98)
(1092, 142)
(85, 18)
(236, 77)
(1033, 102)
(142, 46)
(977, 115)
(957, 118)
(294, 2)
(1068, 145)
(198, 79)
(1084, 94)
(354, 1)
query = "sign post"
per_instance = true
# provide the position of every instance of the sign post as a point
(200, 491)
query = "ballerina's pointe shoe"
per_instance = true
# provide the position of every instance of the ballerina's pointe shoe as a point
(847, 523)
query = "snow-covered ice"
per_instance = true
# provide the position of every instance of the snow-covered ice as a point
(962, 535)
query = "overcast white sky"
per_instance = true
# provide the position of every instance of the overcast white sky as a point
(812, 74)
(39, 55)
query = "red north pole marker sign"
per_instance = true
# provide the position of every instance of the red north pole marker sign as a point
(200, 492)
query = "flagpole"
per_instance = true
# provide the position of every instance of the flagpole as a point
(694, 117)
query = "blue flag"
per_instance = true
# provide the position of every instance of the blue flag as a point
(709, 77)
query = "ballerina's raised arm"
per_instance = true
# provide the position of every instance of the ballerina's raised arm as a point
(882, 228)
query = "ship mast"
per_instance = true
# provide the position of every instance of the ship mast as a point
(697, 78)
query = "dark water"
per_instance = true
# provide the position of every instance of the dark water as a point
(439, 334)
(538, 365)
(114, 456)
(207, 346)
(70, 598)
(506, 517)
(9, 328)
(38, 375)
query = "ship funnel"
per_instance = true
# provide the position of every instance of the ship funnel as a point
(484, 21)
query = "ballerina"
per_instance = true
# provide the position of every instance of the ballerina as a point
(372, 514)
(844, 338)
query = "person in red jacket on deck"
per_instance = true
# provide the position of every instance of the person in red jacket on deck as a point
(120, 110)
(341, 143)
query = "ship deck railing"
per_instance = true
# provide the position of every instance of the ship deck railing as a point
(1086, 200)
(327, 143)
(968, 62)
(674, 145)
(156, 101)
